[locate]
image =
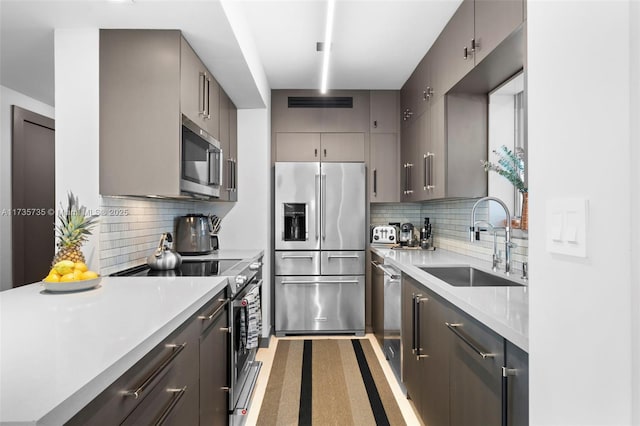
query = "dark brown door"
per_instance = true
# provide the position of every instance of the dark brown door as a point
(33, 195)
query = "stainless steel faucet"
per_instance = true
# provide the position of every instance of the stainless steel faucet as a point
(507, 231)
(497, 259)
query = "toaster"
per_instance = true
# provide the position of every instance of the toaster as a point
(384, 234)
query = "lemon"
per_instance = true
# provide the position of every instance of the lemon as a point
(68, 278)
(80, 266)
(52, 278)
(89, 275)
(77, 275)
(64, 267)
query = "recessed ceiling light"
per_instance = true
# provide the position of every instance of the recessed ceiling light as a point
(327, 46)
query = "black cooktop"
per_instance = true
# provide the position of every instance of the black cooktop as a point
(190, 268)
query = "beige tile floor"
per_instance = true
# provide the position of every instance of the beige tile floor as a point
(266, 356)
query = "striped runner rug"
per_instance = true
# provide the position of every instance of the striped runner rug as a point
(328, 382)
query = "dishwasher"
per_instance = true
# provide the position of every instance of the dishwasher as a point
(392, 317)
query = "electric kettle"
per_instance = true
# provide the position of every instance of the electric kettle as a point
(195, 235)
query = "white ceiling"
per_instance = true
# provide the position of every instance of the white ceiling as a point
(376, 43)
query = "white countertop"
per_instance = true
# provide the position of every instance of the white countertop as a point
(59, 351)
(505, 310)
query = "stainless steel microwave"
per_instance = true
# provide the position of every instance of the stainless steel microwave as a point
(201, 161)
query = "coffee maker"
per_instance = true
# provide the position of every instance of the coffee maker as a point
(406, 234)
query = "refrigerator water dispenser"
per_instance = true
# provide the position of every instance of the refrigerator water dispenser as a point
(295, 222)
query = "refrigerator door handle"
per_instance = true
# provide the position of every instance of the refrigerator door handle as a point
(323, 184)
(317, 205)
(312, 282)
(306, 222)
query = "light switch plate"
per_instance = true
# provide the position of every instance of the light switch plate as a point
(567, 226)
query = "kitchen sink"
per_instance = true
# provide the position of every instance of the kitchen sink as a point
(467, 276)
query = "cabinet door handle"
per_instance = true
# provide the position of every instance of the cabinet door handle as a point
(428, 175)
(315, 152)
(474, 45)
(419, 299)
(230, 174)
(375, 182)
(375, 124)
(201, 97)
(409, 187)
(424, 172)
(177, 395)
(175, 351)
(455, 329)
(413, 323)
(325, 152)
(216, 312)
(465, 54)
(208, 98)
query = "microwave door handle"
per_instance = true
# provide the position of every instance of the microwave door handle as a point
(230, 174)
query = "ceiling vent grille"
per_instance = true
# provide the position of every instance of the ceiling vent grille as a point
(320, 102)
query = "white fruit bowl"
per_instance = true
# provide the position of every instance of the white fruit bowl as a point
(72, 285)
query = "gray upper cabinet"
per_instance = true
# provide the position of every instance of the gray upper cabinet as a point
(148, 78)
(384, 109)
(342, 147)
(384, 186)
(453, 58)
(489, 31)
(199, 91)
(140, 112)
(297, 147)
(229, 144)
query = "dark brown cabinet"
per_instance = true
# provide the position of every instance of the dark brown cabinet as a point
(182, 381)
(384, 186)
(477, 358)
(456, 370)
(214, 359)
(425, 358)
(515, 378)
(384, 108)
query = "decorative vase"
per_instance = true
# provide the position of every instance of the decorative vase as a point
(524, 223)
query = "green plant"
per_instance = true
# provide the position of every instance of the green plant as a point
(509, 165)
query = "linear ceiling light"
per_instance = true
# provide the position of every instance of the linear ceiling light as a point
(331, 4)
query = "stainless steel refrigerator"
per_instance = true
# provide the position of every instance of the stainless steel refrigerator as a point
(320, 241)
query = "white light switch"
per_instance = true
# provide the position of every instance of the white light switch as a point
(567, 226)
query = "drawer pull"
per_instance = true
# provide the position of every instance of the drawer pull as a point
(215, 313)
(297, 256)
(454, 327)
(176, 349)
(343, 256)
(177, 395)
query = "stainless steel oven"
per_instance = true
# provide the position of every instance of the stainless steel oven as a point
(245, 319)
(201, 161)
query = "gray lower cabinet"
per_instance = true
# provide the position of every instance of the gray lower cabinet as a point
(456, 370)
(425, 352)
(516, 382)
(179, 382)
(214, 361)
(477, 358)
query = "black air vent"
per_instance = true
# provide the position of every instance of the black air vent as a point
(320, 102)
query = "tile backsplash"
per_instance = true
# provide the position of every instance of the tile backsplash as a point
(450, 220)
(130, 229)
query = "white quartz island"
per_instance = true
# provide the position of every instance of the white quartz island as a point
(505, 310)
(59, 351)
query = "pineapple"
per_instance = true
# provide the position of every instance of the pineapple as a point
(73, 231)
